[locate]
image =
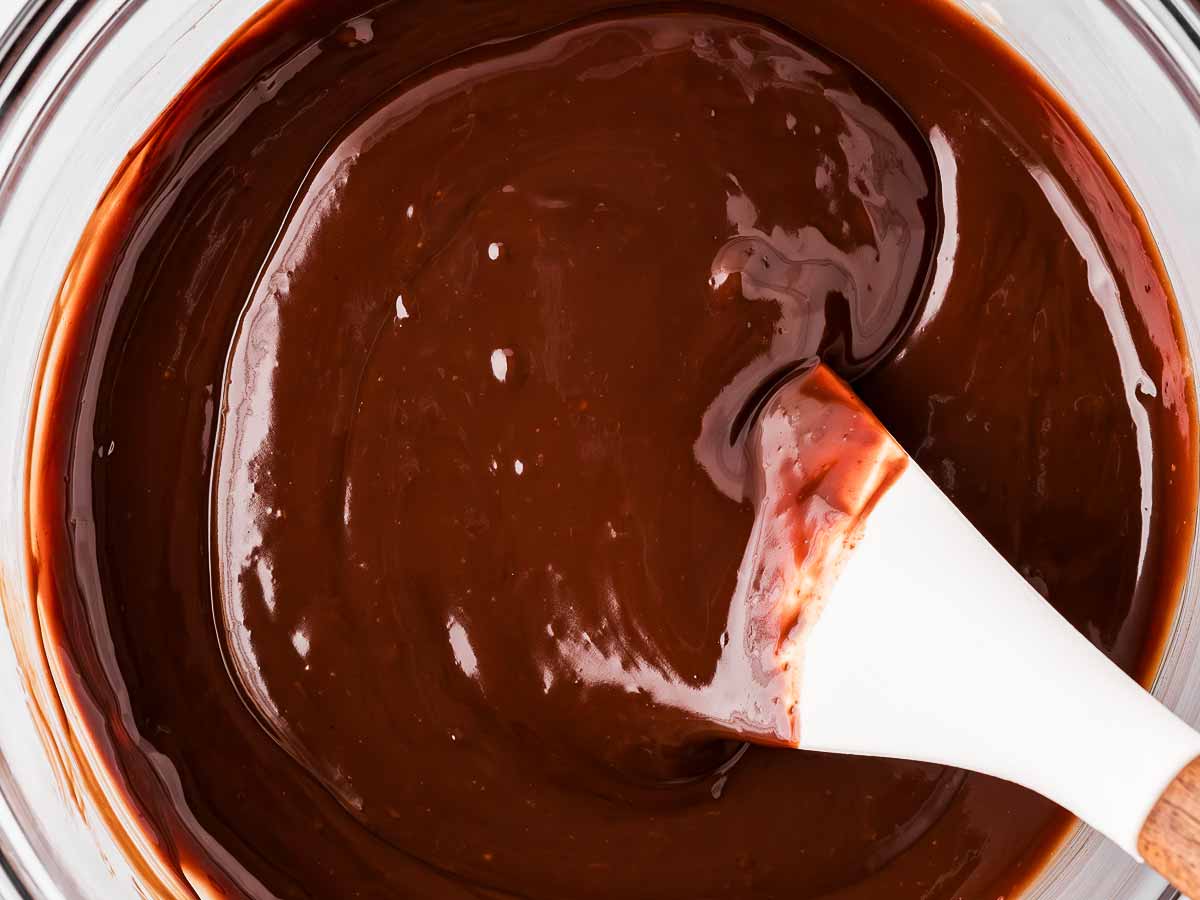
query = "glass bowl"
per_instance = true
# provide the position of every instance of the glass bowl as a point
(82, 80)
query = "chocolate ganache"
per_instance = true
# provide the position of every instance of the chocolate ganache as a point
(388, 492)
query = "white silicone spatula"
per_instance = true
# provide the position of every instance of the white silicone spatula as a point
(919, 641)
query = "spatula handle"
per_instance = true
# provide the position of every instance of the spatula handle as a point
(1170, 839)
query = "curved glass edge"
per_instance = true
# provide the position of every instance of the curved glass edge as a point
(27, 35)
(1152, 64)
(48, 46)
(52, 44)
(32, 71)
(89, 78)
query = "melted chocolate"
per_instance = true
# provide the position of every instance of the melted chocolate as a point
(388, 494)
